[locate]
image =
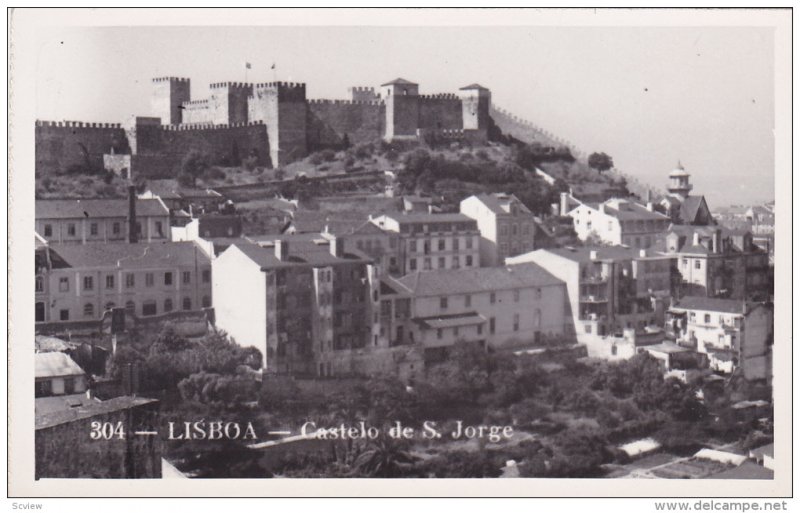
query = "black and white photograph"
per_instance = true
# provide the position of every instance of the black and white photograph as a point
(405, 245)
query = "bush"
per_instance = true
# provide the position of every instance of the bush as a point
(250, 163)
(328, 155)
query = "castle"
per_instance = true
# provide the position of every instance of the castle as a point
(273, 122)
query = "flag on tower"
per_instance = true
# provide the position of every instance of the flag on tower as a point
(273, 66)
(247, 65)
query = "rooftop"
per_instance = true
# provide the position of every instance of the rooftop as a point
(747, 470)
(461, 281)
(53, 365)
(399, 81)
(473, 86)
(88, 410)
(499, 202)
(711, 304)
(584, 253)
(313, 253)
(129, 256)
(430, 218)
(89, 208)
(626, 210)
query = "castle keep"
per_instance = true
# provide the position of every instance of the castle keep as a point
(274, 122)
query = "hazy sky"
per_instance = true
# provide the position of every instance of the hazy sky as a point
(646, 96)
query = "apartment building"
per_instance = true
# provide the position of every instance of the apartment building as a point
(80, 282)
(619, 222)
(496, 307)
(85, 221)
(302, 302)
(734, 334)
(433, 241)
(506, 225)
(714, 261)
(610, 289)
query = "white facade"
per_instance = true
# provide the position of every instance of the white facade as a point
(619, 222)
(506, 226)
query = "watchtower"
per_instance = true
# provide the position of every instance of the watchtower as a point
(282, 107)
(168, 95)
(228, 102)
(475, 103)
(363, 94)
(402, 109)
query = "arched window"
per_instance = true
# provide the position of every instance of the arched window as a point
(88, 310)
(206, 301)
(149, 308)
(168, 305)
(187, 303)
(130, 306)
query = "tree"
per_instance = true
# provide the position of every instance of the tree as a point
(383, 457)
(193, 165)
(600, 161)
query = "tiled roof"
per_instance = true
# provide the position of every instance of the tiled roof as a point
(690, 207)
(631, 211)
(52, 365)
(451, 321)
(311, 221)
(90, 410)
(496, 201)
(747, 470)
(473, 86)
(128, 256)
(430, 218)
(314, 253)
(584, 253)
(80, 208)
(461, 281)
(46, 344)
(399, 81)
(711, 304)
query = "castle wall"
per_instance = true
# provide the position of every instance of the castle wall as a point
(440, 111)
(196, 111)
(60, 145)
(329, 121)
(226, 144)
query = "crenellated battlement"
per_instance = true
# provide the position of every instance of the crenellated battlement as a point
(76, 124)
(209, 126)
(322, 101)
(439, 96)
(170, 79)
(361, 89)
(281, 85)
(231, 85)
(196, 103)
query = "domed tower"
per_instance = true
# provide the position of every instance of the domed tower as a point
(679, 185)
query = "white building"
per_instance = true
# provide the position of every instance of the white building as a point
(619, 222)
(507, 226)
(57, 374)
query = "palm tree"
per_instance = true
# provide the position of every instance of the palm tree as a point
(383, 458)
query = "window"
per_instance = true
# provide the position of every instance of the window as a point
(455, 331)
(412, 264)
(697, 263)
(48, 230)
(187, 277)
(63, 315)
(492, 298)
(491, 325)
(469, 260)
(441, 245)
(206, 275)
(442, 263)
(587, 328)
(63, 284)
(443, 303)
(130, 307)
(455, 244)
(115, 228)
(44, 388)
(514, 229)
(439, 333)
(39, 284)
(149, 308)
(685, 262)
(516, 295)
(707, 319)
(70, 229)
(503, 248)
(93, 228)
(427, 264)
(149, 280)
(159, 229)
(206, 302)
(88, 283)
(538, 293)
(69, 385)
(130, 280)
(469, 242)
(110, 281)
(516, 322)
(138, 228)
(167, 278)
(187, 303)
(480, 329)
(503, 230)
(467, 301)
(88, 310)
(537, 319)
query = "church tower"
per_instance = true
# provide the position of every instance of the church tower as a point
(679, 185)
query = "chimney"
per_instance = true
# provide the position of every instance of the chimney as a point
(696, 239)
(716, 240)
(643, 253)
(593, 255)
(649, 197)
(602, 208)
(564, 206)
(133, 235)
(650, 205)
(282, 250)
(337, 247)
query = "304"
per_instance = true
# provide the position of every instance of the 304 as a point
(107, 431)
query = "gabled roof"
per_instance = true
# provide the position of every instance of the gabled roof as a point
(430, 218)
(90, 410)
(690, 208)
(462, 281)
(80, 208)
(310, 253)
(55, 364)
(495, 202)
(631, 211)
(129, 256)
(399, 81)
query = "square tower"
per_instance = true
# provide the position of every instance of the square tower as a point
(168, 95)
(228, 102)
(475, 103)
(282, 107)
(402, 109)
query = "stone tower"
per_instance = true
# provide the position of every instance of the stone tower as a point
(679, 185)
(402, 109)
(228, 102)
(475, 103)
(363, 94)
(168, 95)
(282, 107)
